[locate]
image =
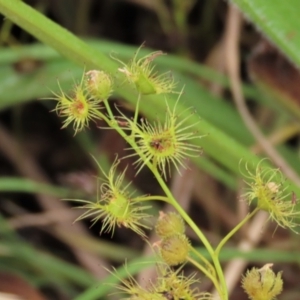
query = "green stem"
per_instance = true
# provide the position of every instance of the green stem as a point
(161, 182)
(107, 106)
(207, 263)
(201, 236)
(160, 198)
(215, 256)
(136, 112)
(127, 138)
(234, 230)
(205, 272)
(223, 290)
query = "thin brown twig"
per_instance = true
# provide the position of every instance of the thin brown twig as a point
(5, 296)
(41, 219)
(233, 62)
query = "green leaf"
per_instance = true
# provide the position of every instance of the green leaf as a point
(13, 184)
(52, 34)
(278, 20)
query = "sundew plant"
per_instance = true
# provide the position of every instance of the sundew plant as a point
(165, 145)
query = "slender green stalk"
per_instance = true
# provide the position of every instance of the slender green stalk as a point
(198, 232)
(234, 230)
(136, 111)
(160, 198)
(223, 242)
(107, 106)
(209, 275)
(172, 201)
(202, 258)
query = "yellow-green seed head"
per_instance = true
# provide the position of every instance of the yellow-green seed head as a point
(174, 249)
(116, 206)
(78, 107)
(269, 191)
(140, 72)
(169, 224)
(262, 284)
(168, 143)
(134, 291)
(175, 285)
(98, 84)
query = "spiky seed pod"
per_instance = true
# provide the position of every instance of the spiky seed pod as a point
(98, 84)
(140, 72)
(174, 249)
(116, 206)
(174, 285)
(165, 144)
(262, 284)
(267, 187)
(134, 291)
(78, 108)
(169, 224)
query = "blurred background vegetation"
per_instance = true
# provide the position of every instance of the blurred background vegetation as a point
(43, 255)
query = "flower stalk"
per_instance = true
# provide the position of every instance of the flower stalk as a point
(161, 146)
